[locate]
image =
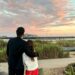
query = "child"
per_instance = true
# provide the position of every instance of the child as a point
(30, 64)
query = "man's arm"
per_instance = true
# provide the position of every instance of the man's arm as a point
(29, 52)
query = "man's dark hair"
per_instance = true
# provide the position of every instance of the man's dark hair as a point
(20, 31)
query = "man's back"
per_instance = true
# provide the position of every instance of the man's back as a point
(15, 48)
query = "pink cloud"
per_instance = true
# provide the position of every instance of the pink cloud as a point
(60, 6)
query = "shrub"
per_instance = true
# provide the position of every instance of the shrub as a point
(70, 69)
(50, 50)
(3, 56)
(3, 44)
(46, 49)
(66, 43)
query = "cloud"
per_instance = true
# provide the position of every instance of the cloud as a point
(60, 6)
(3, 2)
(9, 13)
(37, 15)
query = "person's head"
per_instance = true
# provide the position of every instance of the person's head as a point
(20, 31)
(30, 44)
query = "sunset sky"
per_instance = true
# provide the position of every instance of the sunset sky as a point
(38, 17)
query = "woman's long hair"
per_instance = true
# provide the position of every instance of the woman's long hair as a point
(30, 44)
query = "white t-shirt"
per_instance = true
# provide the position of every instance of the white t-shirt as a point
(30, 64)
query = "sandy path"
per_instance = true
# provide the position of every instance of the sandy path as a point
(48, 63)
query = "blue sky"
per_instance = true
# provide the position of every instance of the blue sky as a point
(39, 17)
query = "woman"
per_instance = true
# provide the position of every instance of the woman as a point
(30, 64)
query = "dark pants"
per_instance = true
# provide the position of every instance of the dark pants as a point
(13, 71)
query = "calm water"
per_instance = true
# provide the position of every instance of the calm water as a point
(48, 39)
(54, 40)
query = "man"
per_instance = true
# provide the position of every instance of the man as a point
(15, 48)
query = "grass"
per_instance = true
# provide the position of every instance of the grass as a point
(3, 56)
(70, 69)
(46, 49)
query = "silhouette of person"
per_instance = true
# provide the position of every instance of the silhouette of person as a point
(15, 48)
